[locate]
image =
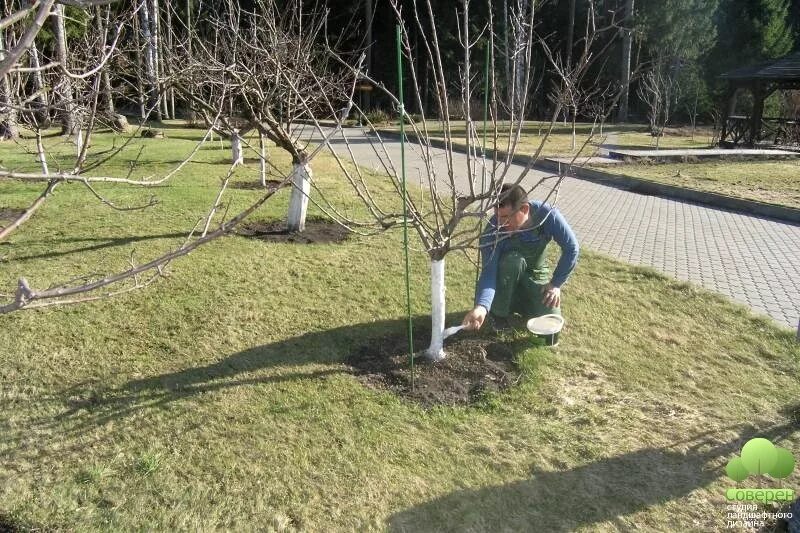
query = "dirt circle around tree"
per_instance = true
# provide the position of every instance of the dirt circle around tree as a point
(472, 367)
(317, 231)
(255, 185)
(10, 213)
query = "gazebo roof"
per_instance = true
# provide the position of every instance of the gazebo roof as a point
(786, 68)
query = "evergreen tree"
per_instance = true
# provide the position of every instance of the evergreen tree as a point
(756, 29)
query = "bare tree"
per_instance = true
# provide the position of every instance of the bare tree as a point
(658, 89)
(89, 288)
(266, 66)
(452, 216)
(218, 109)
(571, 89)
(627, 49)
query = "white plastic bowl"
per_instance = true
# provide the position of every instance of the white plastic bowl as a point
(547, 327)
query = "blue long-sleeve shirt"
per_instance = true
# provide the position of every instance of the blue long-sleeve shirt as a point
(553, 227)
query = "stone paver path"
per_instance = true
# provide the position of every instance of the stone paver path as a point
(752, 260)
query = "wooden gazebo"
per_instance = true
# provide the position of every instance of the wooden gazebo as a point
(761, 80)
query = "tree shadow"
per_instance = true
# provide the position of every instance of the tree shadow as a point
(604, 490)
(613, 147)
(106, 242)
(91, 406)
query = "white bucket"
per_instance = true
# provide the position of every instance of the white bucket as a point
(547, 327)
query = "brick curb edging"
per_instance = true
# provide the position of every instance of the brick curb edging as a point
(643, 186)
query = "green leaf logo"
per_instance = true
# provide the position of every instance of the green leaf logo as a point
(760, 456)
(736, 469)
(784, 465)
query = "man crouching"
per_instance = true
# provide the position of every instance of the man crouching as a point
(514, 276)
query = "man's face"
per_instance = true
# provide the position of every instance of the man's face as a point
(509, 219)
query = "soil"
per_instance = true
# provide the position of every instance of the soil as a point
(255, 185)
(7, 214)
(472, 367)
(318, 231)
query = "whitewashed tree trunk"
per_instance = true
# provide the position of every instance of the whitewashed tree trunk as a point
(237, 154)
(40, 154)
(79, 141)
(298, 201)
(262, 145)
(435, 351)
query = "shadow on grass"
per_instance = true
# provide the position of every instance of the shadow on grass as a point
(92, 406)
(107, 242)
(601, 491)
(652, 147)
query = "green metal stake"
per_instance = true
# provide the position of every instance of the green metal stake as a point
(485, 118)
(405, 199)
(485, 111)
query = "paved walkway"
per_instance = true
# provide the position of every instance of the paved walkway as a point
(752, 260)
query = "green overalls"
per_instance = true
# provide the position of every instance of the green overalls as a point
(521, 276)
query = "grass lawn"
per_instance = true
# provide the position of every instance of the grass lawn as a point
(217, 398)
(773, 182)
(559, 143)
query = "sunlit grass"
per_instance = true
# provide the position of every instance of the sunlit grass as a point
(773, 182)
(216, 398)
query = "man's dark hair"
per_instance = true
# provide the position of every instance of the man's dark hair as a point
(513, 196)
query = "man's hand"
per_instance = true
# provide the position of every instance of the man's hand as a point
(474, 319)
(552, 296)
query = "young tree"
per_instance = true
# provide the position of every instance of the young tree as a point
(454, 214)
(267, 71)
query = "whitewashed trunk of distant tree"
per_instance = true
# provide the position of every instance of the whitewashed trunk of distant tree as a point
(79, 141)
(237, 154)
(298, 200)
(435, 351)
(262, 148)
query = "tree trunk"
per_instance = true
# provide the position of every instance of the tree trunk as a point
(570, 33)
(570, 39)
(169, 58)
(519, 72)
(41, 115)
(151, 76)
(625, 78)
(506, 50)
(262, 145)
(237, 154)
(368, 16)
(298, 201)
(191, 115)
(158, 46)
(9, 128)
(106, 99)
(574, 115)
(79, 141)
(435, 351)
(68, 112)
